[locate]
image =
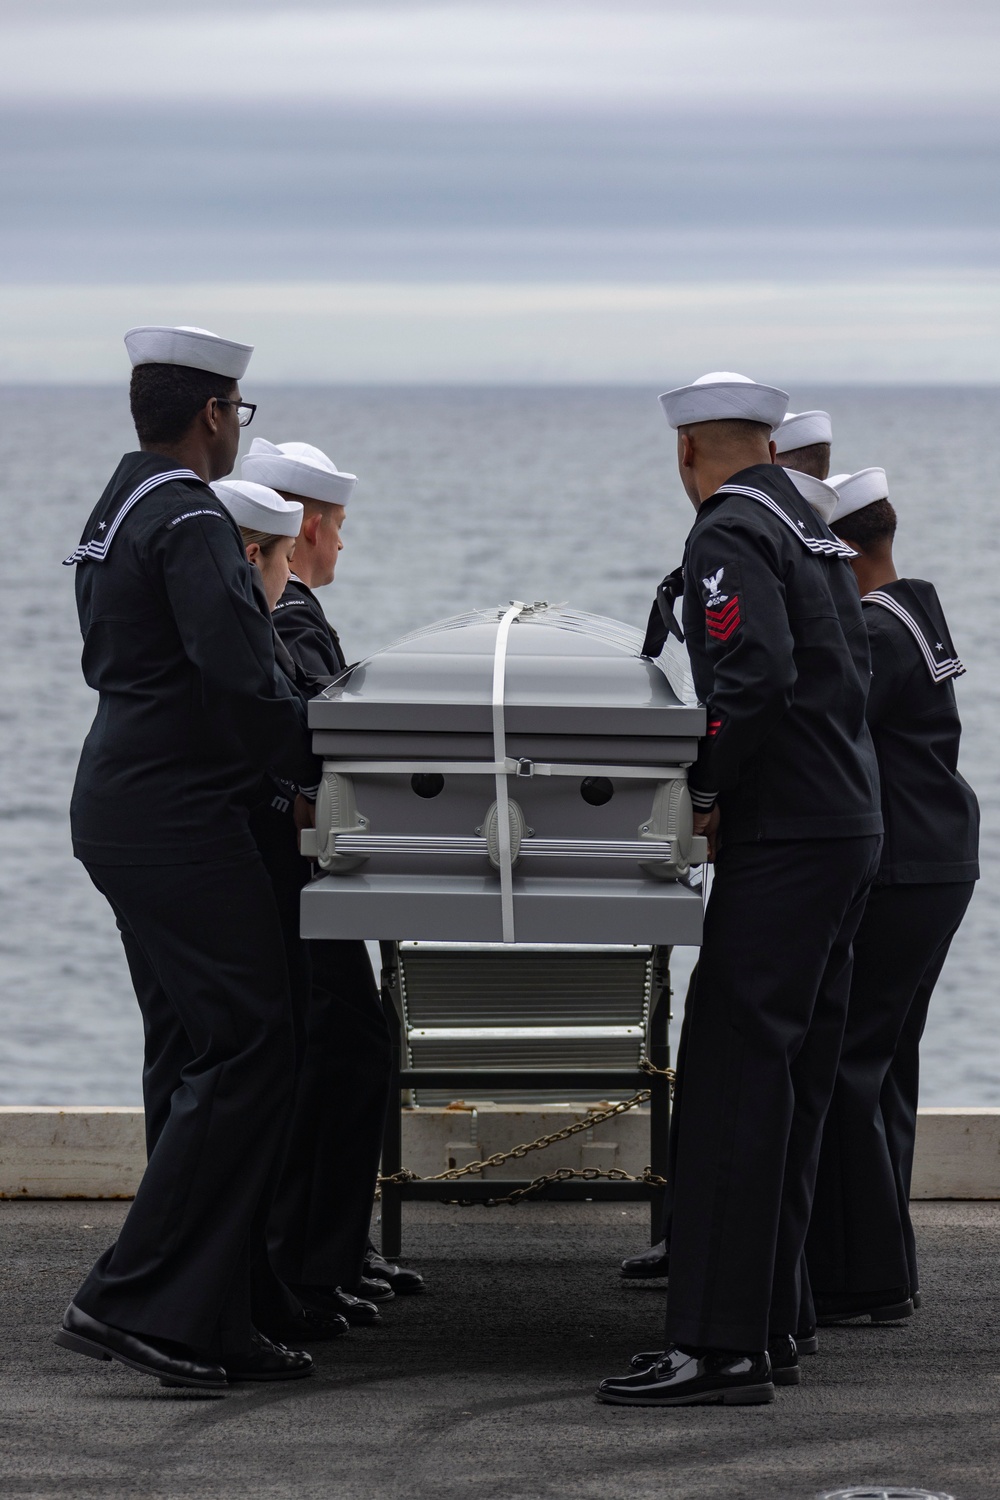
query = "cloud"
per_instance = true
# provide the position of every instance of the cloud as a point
(324, 195)
(665, 185)
(924, 330)
(513, 53)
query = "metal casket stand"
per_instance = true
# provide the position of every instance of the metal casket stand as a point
(560, 1078)
(511, 782)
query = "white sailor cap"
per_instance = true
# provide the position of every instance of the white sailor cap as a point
(800, 429)
(194, 347)
(855, 491)
(724, 396)
(259, 508)
(298, 469)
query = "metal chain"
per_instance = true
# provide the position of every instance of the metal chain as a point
(645, 1066)
(452, 1174)
(564, 1174)
(561, 1174)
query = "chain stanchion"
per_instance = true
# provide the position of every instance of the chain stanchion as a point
(560, 1174)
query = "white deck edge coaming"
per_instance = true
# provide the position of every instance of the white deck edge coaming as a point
(98, 1151)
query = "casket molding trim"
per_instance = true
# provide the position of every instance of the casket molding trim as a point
(506, 767)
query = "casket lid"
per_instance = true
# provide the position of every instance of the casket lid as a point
(567, 672)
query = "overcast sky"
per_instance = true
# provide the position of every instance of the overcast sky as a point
(503, 190)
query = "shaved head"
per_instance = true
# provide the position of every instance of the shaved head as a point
(733, 432)
(813, 459)
(709, 453)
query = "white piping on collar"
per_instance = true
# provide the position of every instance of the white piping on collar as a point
(822, 546)
(95, 551)
(822, 497)
(939, 670)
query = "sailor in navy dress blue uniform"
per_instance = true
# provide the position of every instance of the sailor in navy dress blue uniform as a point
(192, 711)
(786, 788)
(861, 1252)
(802, 443)
(320, 1222)
(301, 622)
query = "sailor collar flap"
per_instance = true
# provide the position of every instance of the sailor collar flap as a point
(107, 519)
(926, 625)
(297, 592)
(797, 514)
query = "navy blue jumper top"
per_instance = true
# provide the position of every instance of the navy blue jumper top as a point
(779, 654)
(192, 708)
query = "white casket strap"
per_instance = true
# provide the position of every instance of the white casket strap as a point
(500, 757)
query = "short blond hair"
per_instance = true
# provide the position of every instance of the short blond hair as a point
(265, 540)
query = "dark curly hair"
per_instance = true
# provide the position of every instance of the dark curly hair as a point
(165, 399)
(866, 527)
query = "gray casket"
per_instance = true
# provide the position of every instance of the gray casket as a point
(511, 775)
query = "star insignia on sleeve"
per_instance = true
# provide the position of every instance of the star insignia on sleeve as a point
(102, 525)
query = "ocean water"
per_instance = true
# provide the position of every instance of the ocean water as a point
(467, 497)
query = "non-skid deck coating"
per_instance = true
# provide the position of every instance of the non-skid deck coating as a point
(484, 1387)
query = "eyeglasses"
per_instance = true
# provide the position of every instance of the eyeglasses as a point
(244, 409)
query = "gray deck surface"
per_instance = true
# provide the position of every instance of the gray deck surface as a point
(484, 1386)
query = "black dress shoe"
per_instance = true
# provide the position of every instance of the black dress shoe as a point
(652, 1262)
(403, 1281)
(783, 1354)
(267, 1361)
(806, 1341)
(646, 1359)
(886, 1307)
(916, 1299)
(717, 1377)
(161, 1357)
(308, 1327)
(332, 1300)
(374, 1290)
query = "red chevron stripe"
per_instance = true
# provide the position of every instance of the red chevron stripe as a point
(721, 623)
(722, 633)
(720, 616)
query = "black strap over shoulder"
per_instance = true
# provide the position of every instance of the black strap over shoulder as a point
(662, 621)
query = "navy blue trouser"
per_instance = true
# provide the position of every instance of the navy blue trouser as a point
(320, 1218)
(204, 948)
(860, 1239)
(760, 1061)
(319, 1226)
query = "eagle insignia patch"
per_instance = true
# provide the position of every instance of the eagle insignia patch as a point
(713, 593)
